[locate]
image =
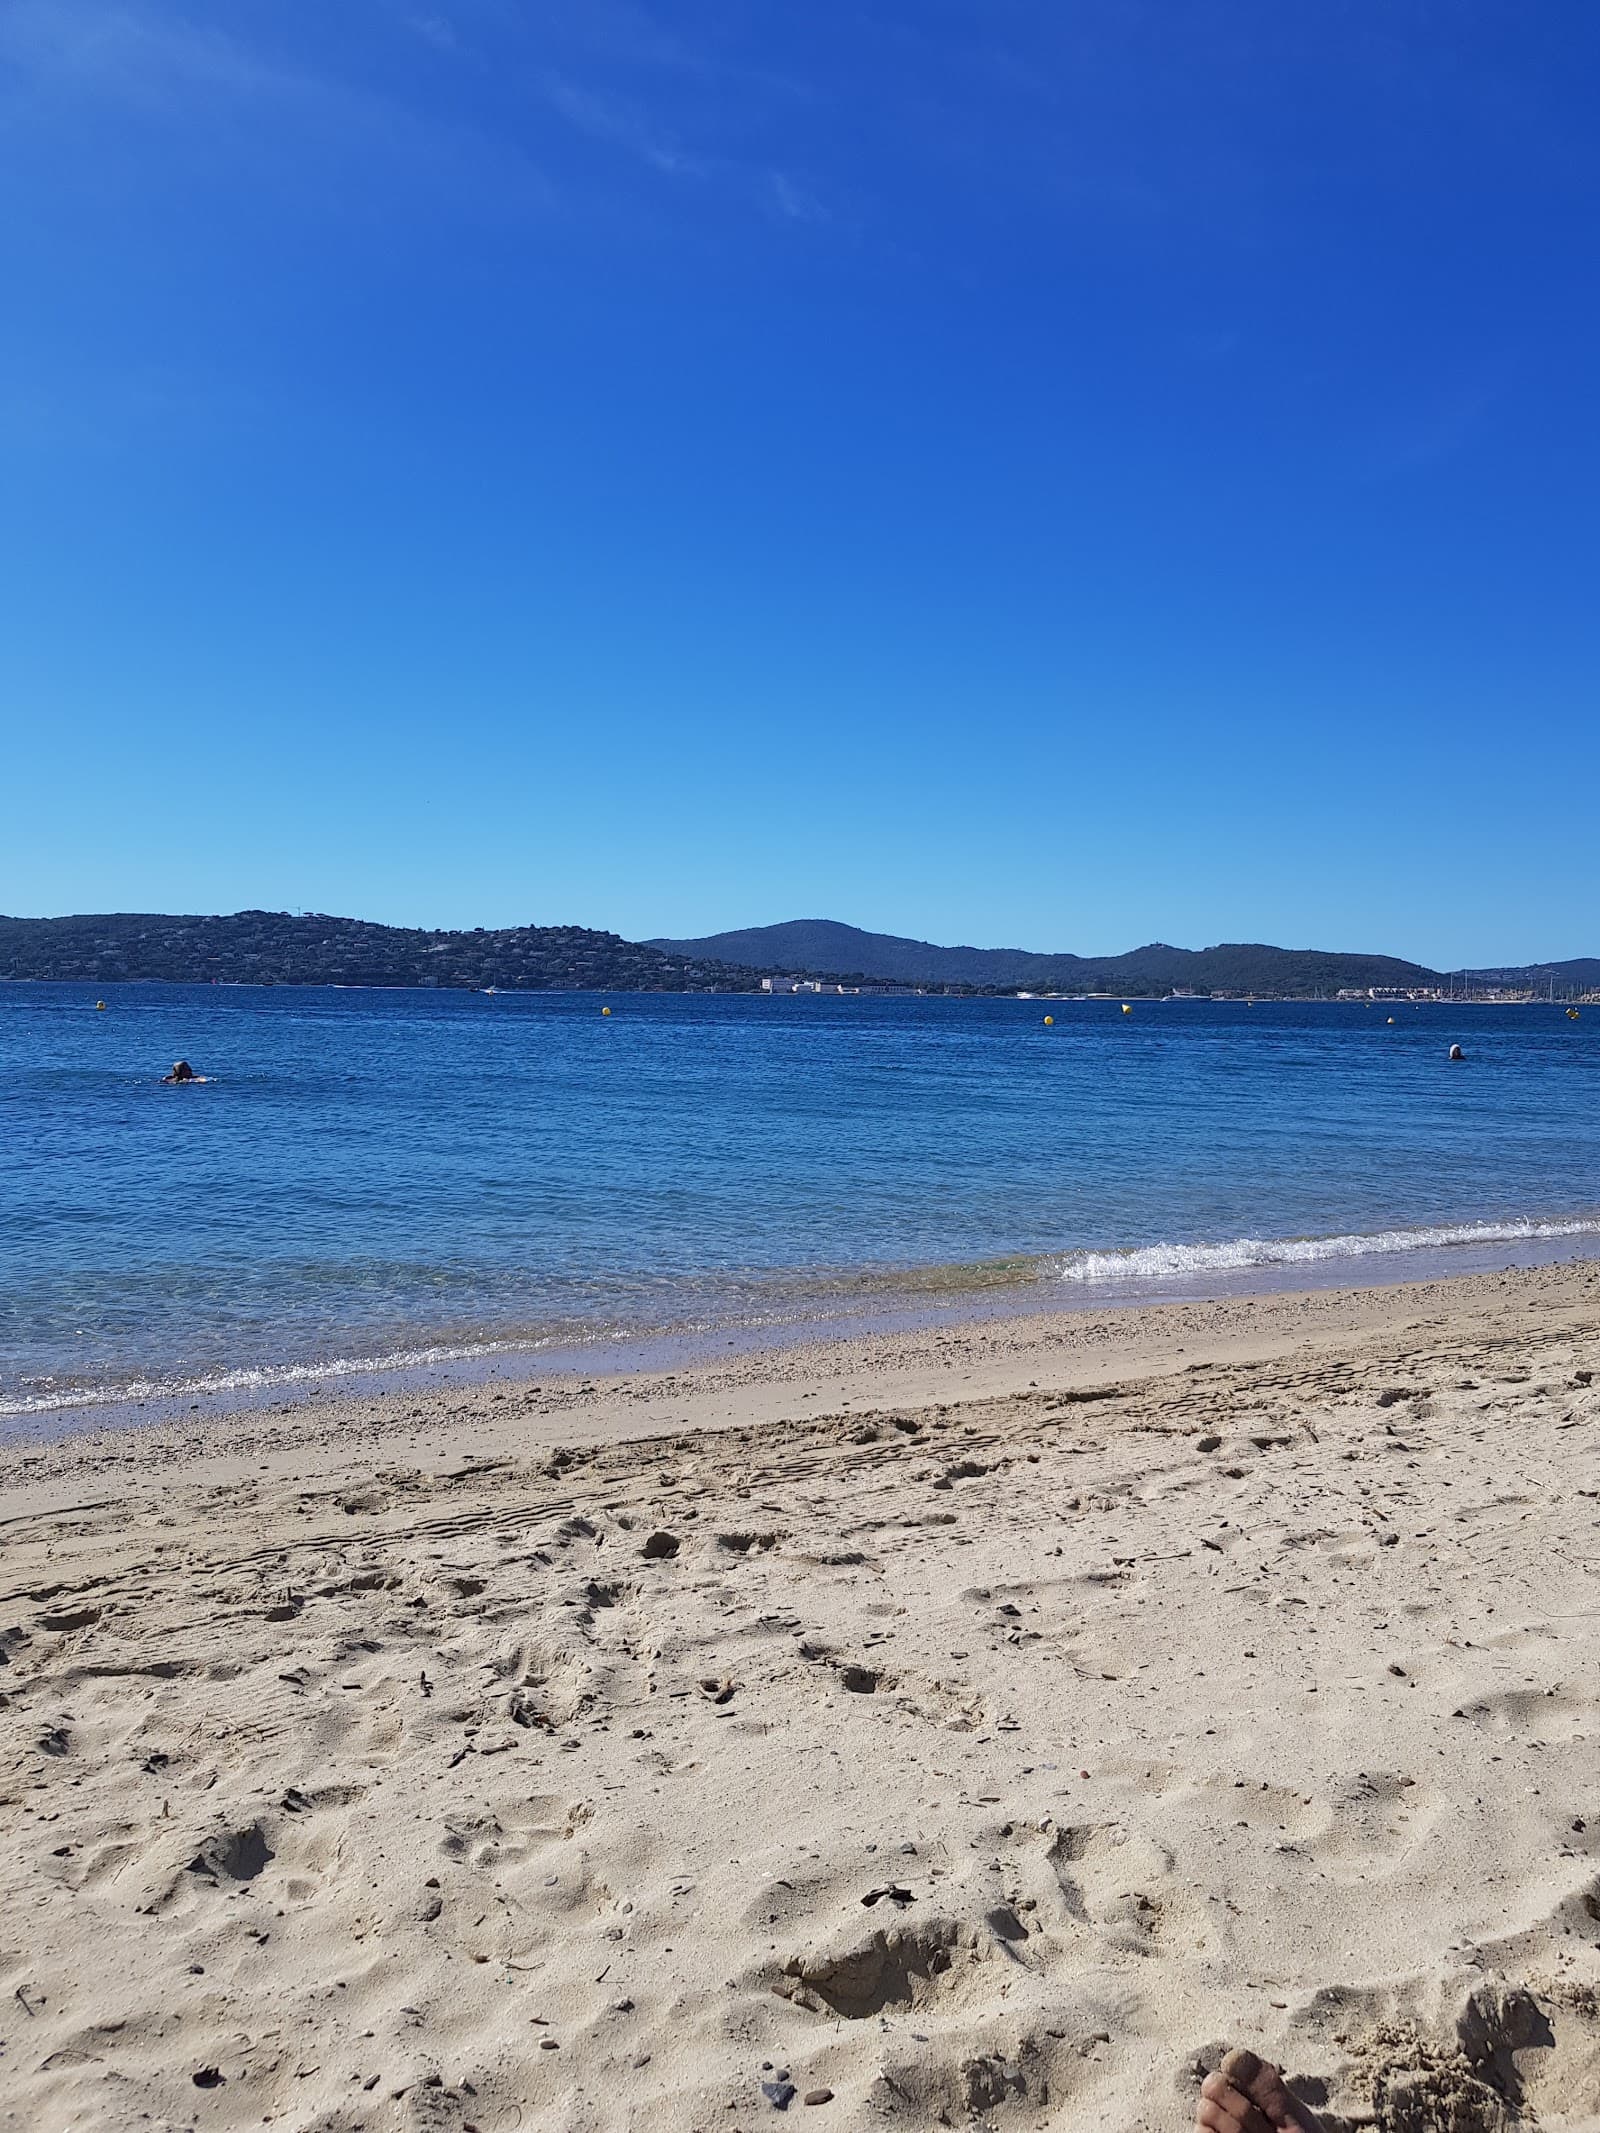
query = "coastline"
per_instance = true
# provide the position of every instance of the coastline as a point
(822, 1312)
(525, 1404)
(553, 1200)
(984, 1724)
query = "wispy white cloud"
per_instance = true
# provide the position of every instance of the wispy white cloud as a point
(609, 33)
(125, 54)
(683, 101)
(1211, 344)
(436, 30)
(794, 201)
(288, 122)
(627, 126)
(609, 120)
(1433, 433)
(619, 83)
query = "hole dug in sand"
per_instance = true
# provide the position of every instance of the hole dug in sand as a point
(898, 1966)
(234, 1854)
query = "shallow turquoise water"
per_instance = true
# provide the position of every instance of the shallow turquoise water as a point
(373, 1174)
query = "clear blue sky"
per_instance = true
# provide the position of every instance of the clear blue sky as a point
(1049, 472)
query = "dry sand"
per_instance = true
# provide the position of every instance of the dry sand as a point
(983, 1726)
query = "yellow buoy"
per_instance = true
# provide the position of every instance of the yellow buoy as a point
(1126, 1009)
(605, 1010)
(1390, 1020)
(100, 1007)
(1049, 1021)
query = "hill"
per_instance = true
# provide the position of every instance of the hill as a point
(814, 944)
(1580, 974)
(823, 944)
(277, 948)
(280, 948)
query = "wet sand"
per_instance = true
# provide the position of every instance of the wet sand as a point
(982, 1725)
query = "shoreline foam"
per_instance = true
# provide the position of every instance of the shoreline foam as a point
(1169, 1261)
(866, 1301)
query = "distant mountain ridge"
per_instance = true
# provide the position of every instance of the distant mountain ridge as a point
(817, 946)
(309, 948)
(1581, 972)
(823, 944)
(826, 945)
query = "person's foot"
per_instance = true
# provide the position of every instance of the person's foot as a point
(1245, 2095)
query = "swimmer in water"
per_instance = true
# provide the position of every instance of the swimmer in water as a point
(181, 1071)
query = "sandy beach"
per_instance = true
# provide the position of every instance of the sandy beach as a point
(982, 1726)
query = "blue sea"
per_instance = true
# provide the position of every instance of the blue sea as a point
(373, 1181)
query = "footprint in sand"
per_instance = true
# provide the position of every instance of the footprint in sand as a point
(967, 2076)
(1117, 1882)
(1375, 1822)
(1268, 1810)
(1555, 1716)
(179, 1869)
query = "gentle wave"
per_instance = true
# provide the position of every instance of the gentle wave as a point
(1167, 1262)
(263, 1379)
(1151, 1263)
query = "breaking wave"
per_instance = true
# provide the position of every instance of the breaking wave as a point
(1174, 1262)
(1151, 1266)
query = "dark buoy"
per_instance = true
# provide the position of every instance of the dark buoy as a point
(1456, 1052)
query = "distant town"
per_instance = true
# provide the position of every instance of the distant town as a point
(1461, 993)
